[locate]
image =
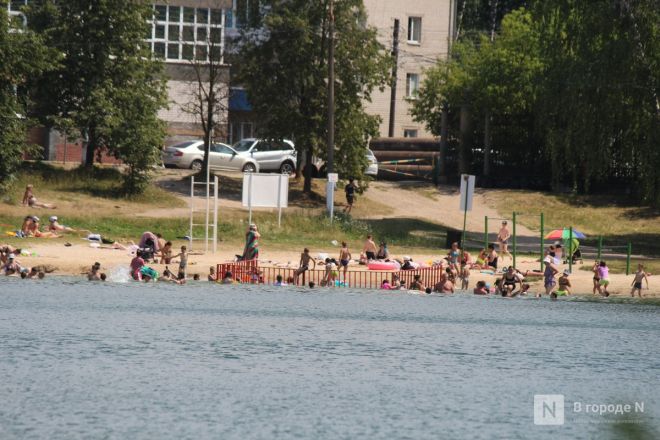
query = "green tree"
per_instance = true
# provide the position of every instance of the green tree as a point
(23, 56)
(108, 85)
(283, 66)
(600, 113)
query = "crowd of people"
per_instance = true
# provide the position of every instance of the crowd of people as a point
(456, 266)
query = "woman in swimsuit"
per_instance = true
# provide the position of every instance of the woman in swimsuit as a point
(596, 278)
(508, 283)
(383, 253)
(492, 256)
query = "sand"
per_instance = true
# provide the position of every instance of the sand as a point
(76, 260)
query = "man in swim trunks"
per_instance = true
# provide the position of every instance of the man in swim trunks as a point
(369, 248)
(303, 266)
(503, 239)
(349, 189)
(640, 275)
(344, 257)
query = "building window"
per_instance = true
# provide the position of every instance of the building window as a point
(412, 85)
(185, 33)
(410, 133)
(415, 30)
(239, 131)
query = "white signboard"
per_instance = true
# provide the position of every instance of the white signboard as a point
(467, 191)
(333, 177)
(266, 191)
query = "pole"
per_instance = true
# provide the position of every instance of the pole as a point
(465, 206)
(192, 212)
(331, 89)
(485, 232)
(215, 214)
(542, 234)
(395, 56)
(250, 198)
(514, 239)
(570, 249)
(628, 258)
(279, 201)
(600, 246)
(208, 201)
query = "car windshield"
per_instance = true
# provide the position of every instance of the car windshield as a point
(242, 146)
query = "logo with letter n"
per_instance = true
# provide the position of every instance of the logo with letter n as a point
(548, 409)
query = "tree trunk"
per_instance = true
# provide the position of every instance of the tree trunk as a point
(444, 142)
(307, 186)
(208, 133)
(487, 147)
(465, 140)
(91, 148)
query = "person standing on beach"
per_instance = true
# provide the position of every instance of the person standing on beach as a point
(604, 275)
(349, 189)
(640, 275)
(344, 257)
(369, 248)
(503, 239)
(549, 273)
(303, 267)
(251, 250)
(183, 263)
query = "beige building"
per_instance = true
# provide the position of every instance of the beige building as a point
(424, 29)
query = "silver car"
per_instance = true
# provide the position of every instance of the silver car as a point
(190, 154)
(271, 155)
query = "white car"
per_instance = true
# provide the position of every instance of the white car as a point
(190, 154)
(372, 166)
(270, 154)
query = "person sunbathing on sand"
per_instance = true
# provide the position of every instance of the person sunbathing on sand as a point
(30, 200)
(34, 230)
(55, 226)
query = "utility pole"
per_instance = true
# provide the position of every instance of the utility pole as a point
(331, 89)
(395, 55)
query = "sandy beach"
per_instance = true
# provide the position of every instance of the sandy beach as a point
(75, 260)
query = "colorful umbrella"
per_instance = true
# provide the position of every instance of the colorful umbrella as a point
(564, 234)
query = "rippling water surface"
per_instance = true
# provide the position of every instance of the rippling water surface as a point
(81, 360)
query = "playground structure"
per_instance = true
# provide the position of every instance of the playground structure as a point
(531, 244)
(251, 272)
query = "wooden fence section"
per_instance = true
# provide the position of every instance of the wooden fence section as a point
(251, 272)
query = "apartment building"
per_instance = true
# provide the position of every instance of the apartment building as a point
(424, 30)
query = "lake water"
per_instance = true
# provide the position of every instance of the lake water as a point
(129, 361)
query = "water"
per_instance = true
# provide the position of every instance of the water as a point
(120, 361)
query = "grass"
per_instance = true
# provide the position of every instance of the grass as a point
(619, 266)
(615, 219)
(91, 200)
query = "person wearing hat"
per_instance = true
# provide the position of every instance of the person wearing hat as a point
(12, 265)
(564, 284)
(34, 230)
(251, 249)
(54, 225)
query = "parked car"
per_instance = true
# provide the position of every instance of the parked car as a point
(372, 166)
(190, 154)
(271, 155)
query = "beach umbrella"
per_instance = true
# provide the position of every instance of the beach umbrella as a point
(564, 234)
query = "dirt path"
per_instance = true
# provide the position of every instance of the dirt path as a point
(441, 205)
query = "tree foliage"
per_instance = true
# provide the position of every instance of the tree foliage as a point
(573, 83)
(23, 56)
(283, 66)
(108, 84)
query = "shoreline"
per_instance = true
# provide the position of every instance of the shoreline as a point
(76, 260)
